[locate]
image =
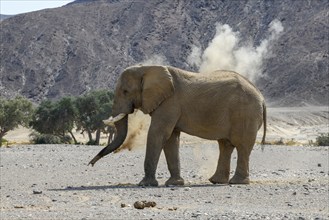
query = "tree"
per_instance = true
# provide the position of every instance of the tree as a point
(42, 120)
(14, 112)
(92, 109)
(65, 114)
(55, 118)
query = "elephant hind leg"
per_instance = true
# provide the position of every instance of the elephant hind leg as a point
(222, 173)
(241, 175)
(243, 136)
(171, 150)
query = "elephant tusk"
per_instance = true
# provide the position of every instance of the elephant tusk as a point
(111, 120)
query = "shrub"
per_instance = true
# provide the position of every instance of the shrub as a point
(92, 142)
(279, 142)
(37, 138)
(67, 139)
(323, 140)
(292, 142)
(3, 141)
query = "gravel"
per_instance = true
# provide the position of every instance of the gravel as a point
(54, 182)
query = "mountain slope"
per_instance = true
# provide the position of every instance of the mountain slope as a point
(3, 17)
(86, 44)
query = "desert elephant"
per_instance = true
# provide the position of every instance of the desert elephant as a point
(221, 105)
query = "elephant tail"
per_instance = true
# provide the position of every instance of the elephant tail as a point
(264, 123)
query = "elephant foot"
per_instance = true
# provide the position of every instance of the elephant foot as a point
(239, 180)
(218, 180)
(148, 182)
(175, 181)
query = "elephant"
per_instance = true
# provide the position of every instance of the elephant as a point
(221, 105)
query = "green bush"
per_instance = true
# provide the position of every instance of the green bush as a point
(3, 141)
(92, 142)
(67, 139)
(49, 139)
(322, 140)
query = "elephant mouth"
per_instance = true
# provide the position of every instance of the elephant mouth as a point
(132, 108)
(111, 120)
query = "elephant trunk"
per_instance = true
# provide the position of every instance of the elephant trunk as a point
(122, 128)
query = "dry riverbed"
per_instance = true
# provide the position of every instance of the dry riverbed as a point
(54, 182)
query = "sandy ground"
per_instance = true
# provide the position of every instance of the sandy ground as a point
(301, 124)
(54, 181)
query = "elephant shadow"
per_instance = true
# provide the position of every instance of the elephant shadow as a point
(130, 186)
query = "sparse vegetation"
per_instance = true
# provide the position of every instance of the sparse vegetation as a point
(85, 113)
(3, 141)
(55, 118)
(281, 141)
(54, 121)
(92, 109)
(37, 138)
(14, 112)
(292, 142)
(322, 140)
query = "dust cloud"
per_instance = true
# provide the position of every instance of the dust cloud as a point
(155, 59)
(227, 52)
(138, 124)
(206, 157)
(194, 58)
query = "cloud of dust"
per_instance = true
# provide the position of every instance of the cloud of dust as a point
(227, 52)
(138, 124)
(207, 158)
(155, 59)
(194, 58)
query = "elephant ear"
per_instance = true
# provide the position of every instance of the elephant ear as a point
(157, 85)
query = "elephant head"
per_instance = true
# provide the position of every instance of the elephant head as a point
(141, 87)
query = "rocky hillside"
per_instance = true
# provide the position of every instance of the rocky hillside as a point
(86, 44)
(3, 17)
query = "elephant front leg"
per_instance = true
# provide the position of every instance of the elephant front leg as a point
(162, 126)
(153, 151)
(171, 150)
(157, 136)
(222, 173)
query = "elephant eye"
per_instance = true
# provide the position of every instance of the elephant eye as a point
(125, 92)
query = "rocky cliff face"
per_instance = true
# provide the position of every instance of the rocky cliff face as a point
(86, 44)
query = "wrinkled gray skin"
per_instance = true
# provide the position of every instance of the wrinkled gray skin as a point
(221, 105)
